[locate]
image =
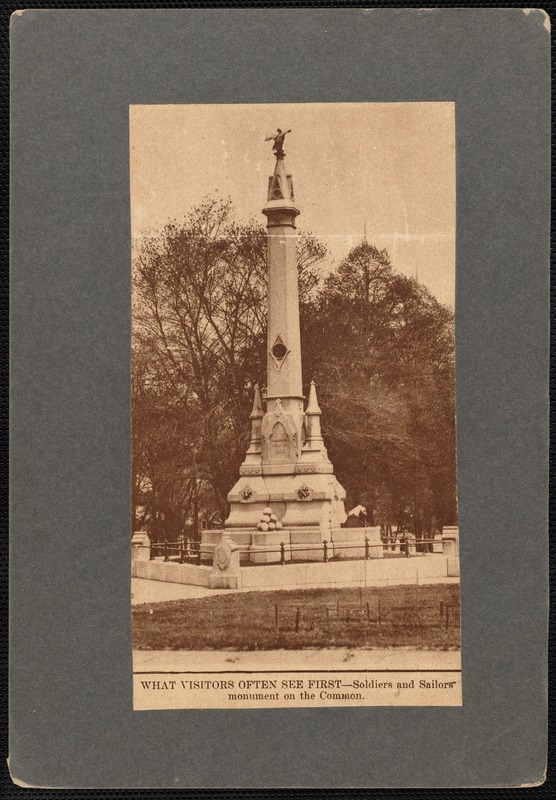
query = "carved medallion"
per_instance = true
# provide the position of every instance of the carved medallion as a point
(222, 555)
(304, 492)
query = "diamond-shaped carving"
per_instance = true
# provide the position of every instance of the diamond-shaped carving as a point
(279, 352)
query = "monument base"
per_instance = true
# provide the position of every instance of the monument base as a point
(357, 543)
(308, 507)
(266, 547)
(348, 543)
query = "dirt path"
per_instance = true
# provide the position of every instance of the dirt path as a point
(283, 660)
(145, 591)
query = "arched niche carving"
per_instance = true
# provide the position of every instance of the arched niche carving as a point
(279, 437)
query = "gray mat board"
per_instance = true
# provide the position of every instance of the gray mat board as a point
(74, 73)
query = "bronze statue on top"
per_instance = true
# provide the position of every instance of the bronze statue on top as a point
(277, 147)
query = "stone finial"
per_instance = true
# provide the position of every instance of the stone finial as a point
(312, 421)
(312, 402)
(257, 411)
(256, 418)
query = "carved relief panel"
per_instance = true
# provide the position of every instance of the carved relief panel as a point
(279, 437)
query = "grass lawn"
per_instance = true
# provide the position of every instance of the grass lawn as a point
(388, 616)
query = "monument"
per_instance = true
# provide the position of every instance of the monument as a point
(286, 492)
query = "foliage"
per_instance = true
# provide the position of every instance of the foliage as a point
(198, 349)
(379, 346)
(381, 350)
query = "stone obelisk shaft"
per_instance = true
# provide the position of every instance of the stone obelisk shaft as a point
(284, 380)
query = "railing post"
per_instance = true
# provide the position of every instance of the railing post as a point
(199, 555)
(165, 550)
(182, 557)
(325, 550)
(366, 548)
(282, 553)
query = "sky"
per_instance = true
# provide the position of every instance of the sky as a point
(388, 168)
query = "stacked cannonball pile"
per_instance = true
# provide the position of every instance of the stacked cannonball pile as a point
(269, 521)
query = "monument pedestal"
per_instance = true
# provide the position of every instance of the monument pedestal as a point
(308, 506)
(266, 547)
(348, 543)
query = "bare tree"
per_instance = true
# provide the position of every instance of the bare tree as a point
(382, 350)
(199, 335)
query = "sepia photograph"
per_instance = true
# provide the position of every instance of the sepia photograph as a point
(294, 518)
(279, 362)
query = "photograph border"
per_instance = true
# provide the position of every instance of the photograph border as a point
(70, 390)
